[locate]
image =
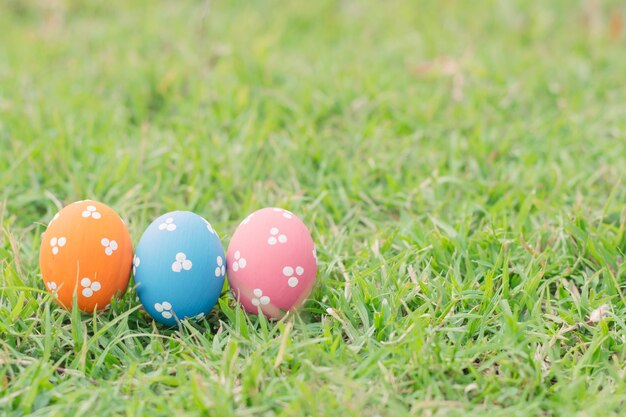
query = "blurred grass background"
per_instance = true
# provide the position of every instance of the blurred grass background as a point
(461, 165)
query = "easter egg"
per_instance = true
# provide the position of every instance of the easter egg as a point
(179, 267)
(271, 262)
(86, 250)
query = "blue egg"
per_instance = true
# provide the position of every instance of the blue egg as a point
(179, 267)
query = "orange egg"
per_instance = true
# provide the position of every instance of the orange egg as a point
(86, 250)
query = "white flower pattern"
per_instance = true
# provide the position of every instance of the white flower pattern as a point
(92, 212)
(239, 263)
(164, 308)
(110, 246)
(136, 263)
(181, 263)
(57, 243)
(168, 225)
(52, 287)
(276, 237)
(209, 227)
(259, 298)
(293, 274)
(89, 287)
(286, 214)
(220, 269)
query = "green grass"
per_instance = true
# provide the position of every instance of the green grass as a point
(461, 164)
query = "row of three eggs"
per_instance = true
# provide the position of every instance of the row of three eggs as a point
(179, 265)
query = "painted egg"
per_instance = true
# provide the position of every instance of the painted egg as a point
(179, 267)
(271, 262)
(86, 250)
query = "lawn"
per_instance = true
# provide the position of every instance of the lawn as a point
(461, 166)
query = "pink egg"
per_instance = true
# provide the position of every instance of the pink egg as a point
(271, 262)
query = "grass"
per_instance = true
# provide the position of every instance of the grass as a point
(461, 165)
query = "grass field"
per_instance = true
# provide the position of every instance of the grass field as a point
(461, 164)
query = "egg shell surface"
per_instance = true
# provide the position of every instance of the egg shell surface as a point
(271, 262)
(86, 250)
(179, 267)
